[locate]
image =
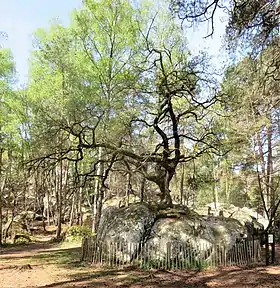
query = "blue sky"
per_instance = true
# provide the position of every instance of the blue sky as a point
(20, 18)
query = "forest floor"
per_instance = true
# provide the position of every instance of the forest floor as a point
(48, 265)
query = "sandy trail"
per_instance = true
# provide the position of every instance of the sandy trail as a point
(53, 266)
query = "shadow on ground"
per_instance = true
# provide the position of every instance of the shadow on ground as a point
(75, 274)
(234, 278)
(18, 248)
(68, 257)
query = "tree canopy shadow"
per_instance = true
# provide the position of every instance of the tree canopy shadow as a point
(234, 278)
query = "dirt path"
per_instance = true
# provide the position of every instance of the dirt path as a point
(53, 266)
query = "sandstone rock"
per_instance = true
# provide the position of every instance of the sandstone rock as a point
(244, 215)
(181, 226)
(226, 230)
(129, 223)
(199, 235)
(87, 219)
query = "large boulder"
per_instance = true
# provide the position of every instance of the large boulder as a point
(87, 219)
(251, 220)
(246, 216)
(172, 235)
(258, 220)
(18, 225)
(195, 233)
(130, 223)
(226, 231)
(183, 228)
(21, 222)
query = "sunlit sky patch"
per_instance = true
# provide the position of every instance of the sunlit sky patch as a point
(20, 18)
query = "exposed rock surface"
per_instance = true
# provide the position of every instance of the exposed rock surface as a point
(19, 225)
(131, 223)
(246, 216)
(87, 219)
(140, 222)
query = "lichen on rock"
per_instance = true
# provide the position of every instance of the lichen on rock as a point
(129, 223)
(141, 223)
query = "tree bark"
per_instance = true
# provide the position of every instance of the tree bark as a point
(215, 189)
(59, 199)
(182, 184)
(269, 169)
(142, 189)
(98, 192)
(79, 207)
(128, 189)
(72, 210)
(1, 218)
(262, 173)
(164, 184)
(1, 192)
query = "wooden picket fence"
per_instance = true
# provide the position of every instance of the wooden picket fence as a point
(169, 256)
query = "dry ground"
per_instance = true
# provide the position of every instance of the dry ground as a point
(58, 267)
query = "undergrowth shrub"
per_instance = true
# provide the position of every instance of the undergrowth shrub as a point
(78, 232)
(22, 240)
(199, 265)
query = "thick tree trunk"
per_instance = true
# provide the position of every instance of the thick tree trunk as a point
(164, 184)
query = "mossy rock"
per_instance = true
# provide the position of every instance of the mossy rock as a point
(141, 222)
(129, 222)
(21, 239)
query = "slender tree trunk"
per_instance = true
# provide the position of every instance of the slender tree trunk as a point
(128, 188)
(215, 189)
(1, 218)
(43, 220)
(182, 184)
(64, 183)
(36, 185)
(228, 183)
(71, 218)
(269, 170)
(142, 189)
(48, 208)
(262, 178)
(98, 192)
(1, 192)
(79, 207)
(99, 207)
(10, 221)
(94, 204)
(59, 199)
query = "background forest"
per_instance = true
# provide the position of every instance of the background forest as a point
(117, 110)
